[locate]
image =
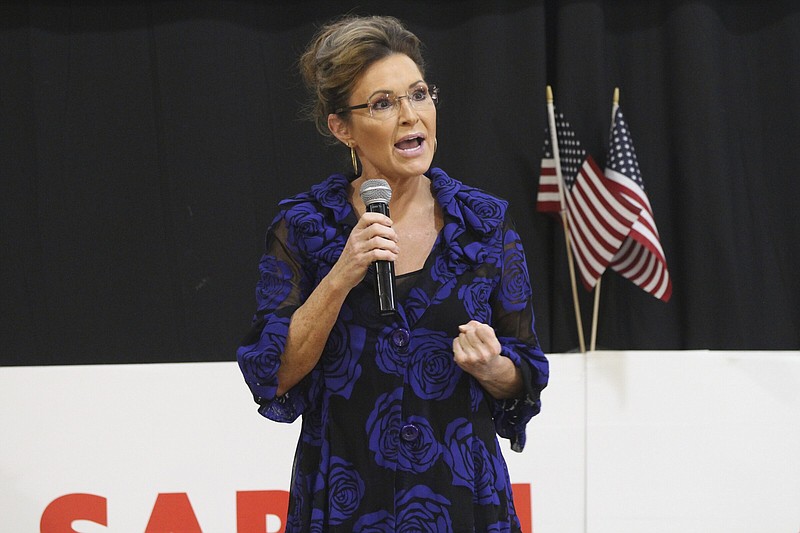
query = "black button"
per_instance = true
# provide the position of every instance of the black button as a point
(409, 432)
(400, 337)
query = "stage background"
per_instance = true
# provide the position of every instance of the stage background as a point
(144, 146)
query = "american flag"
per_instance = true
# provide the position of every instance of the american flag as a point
(641, 258)
(598, 216)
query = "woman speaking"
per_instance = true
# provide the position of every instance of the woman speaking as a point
(401, 407)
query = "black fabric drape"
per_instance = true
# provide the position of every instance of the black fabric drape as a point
(144, 146)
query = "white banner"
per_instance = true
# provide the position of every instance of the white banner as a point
(626, 442)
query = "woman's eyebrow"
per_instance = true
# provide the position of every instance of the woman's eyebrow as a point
(389, 91)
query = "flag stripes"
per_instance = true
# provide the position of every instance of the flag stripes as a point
(599, 221)
(641, 258)
(547, 199)
(599, 217)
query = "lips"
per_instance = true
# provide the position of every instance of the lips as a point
(410, 142)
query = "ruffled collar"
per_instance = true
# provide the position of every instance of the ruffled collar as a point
(332, 194)
(471, 216)
(469, 207)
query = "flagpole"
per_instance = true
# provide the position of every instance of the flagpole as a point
(554, 143)
(595, 310)
(593, 343)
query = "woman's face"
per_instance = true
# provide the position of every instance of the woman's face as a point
(392, 143)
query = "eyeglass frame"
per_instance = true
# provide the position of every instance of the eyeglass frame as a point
(433, 94)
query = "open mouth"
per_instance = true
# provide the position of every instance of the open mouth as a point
(410, 143)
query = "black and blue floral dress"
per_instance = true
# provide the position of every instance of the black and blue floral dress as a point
(395, 436)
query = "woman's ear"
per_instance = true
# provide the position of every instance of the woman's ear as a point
(340, 128)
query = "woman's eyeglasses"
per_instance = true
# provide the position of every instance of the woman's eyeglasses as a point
(386, 105)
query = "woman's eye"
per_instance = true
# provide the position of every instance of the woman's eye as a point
(419, 94)
(382, 103)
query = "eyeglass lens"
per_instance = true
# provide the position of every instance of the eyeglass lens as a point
(387, 104)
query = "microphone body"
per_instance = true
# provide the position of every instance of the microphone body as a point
(376, 194)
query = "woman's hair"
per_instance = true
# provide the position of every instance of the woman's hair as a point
(341, 51)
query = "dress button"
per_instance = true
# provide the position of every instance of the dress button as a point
(400, 337)
(409, 432)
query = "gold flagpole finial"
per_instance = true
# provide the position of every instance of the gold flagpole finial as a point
(616, 95)
(549, 95)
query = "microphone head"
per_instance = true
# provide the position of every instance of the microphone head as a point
(375, 191)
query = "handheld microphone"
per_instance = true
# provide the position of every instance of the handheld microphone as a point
(376, 194)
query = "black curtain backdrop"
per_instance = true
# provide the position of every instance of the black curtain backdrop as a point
(145, 145)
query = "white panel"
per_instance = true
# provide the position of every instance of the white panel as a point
(554, 457)
(677, 441)
(130, 432)
(696, 442)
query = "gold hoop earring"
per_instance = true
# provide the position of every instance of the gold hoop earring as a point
(354, 159)
(435, 144)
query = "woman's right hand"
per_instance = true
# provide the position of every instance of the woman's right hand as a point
(372, 239)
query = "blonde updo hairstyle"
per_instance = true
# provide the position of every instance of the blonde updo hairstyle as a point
(341, 51)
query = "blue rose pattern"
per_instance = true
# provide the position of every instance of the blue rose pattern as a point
(476, 298)
(383, 428)
(346, 489)
(312, 433)
(275, 278)
(458, 454)
(354, 468)
(485, 213)
(485, 474)
(308, 228)
(416, 303)
(260, 361)
(340, 362)
(421, 453)
(378, 522)
(388, 357)
(433, 375)
(515, 287)
(421, 509)
(475, 395)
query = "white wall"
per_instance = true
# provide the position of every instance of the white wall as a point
(626, 442)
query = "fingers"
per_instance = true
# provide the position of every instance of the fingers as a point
(374, 237)
(476, 335)
(476, 342)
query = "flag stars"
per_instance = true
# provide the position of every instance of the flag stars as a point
(571, 152)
